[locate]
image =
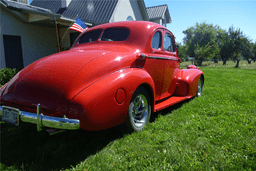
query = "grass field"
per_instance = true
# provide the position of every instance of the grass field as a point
(230, 64)
(214, 132)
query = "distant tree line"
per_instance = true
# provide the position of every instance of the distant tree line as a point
(208, 42)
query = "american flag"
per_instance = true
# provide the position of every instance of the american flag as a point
(79, 25)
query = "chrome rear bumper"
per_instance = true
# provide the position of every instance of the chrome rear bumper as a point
(46, 121)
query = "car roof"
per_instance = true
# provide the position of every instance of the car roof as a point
(144, 25)
(140, 31)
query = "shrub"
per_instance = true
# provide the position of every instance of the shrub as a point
(6, 74)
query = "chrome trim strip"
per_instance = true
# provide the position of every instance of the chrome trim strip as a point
(46, 121)
(158, 57)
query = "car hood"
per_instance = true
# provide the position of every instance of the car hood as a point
(58, 78)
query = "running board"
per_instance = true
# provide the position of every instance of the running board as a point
(169, 102)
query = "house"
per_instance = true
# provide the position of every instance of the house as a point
(94, 12)
(30, 32)
(97, 11)
(159, 14)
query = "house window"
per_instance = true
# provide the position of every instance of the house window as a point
(13, 51)
(129, 18)
(156, 40)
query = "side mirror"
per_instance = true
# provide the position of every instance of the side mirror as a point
(177, 46)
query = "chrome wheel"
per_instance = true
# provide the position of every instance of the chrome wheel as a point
(199, 87)
(139, 110)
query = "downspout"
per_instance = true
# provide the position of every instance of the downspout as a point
(59, 40)
(57, 34)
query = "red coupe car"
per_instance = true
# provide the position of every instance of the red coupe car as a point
(115, 73)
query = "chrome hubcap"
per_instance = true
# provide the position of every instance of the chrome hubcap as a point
(138, 110)
(199, 87)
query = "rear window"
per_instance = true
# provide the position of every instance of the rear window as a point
(90, 36)
(115, 34)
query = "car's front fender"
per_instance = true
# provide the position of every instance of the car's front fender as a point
(187, 82)
(105, 103)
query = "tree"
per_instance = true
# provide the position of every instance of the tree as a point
(200, 42)
(224, 44)
(236, 44)
(182, 52)
(208, 51)
(254, 51)
(247, 50)
(231, 44)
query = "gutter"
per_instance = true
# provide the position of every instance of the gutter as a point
(43, 11)
(72, 20)
(49, 13)
(3, 3)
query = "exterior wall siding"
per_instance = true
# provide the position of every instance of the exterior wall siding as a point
(124, 9)
(37, 41)
(136, 10)
(159, 21)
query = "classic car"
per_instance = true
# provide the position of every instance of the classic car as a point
(114, 74)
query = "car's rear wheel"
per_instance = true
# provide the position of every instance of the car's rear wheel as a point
(200, 87)
(139, 111)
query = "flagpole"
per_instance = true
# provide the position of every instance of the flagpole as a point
(67, 30)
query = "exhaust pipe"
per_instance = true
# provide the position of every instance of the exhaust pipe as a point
(54, 131)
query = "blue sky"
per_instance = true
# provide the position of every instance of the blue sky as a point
(239, 13)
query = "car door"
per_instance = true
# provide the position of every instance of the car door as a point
(155, 65)
(171, 65)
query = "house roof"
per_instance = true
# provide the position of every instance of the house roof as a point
(26, 8)
(159, 12)
(36, 15)
(92, 11)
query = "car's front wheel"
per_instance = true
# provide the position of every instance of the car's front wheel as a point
(139, 111)
(200, 87)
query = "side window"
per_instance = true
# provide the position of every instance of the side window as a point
(168, 43)
(156, 40)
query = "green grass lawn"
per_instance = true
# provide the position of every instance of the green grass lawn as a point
(230, 64)
(214, 132)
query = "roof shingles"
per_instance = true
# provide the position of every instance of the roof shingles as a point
(53, 5)
(93, 11)
(158, 12)
(97, 11)
(25, 7)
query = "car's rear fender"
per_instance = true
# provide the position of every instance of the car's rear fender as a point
(187, 82)
(105, 103)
